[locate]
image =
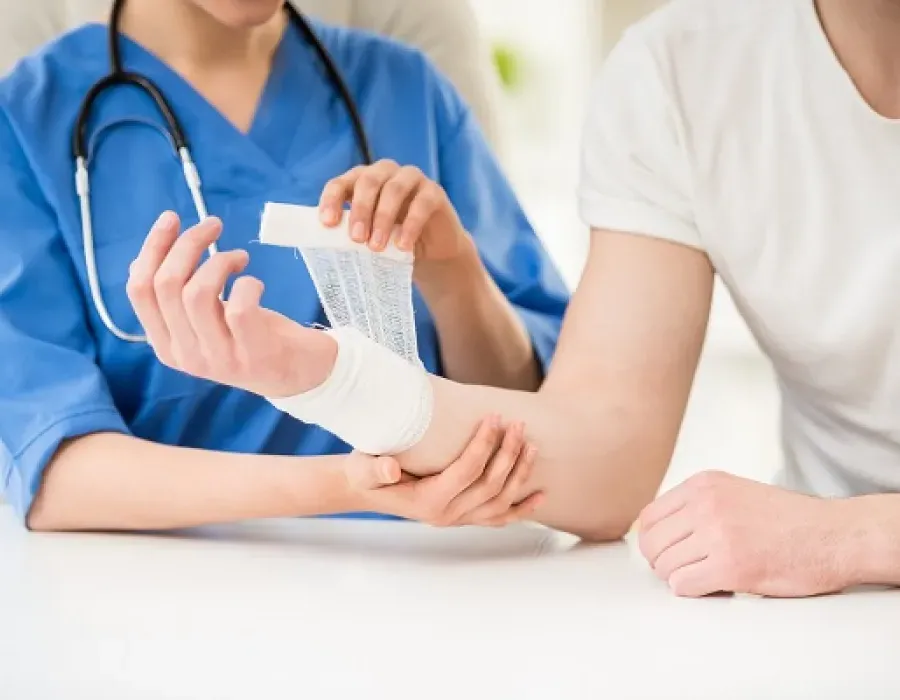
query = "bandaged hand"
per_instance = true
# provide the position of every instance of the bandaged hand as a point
(484, 486)
(235, 342)
(389, 200)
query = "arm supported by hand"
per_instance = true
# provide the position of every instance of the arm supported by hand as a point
(606, 419)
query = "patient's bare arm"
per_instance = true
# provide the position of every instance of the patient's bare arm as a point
(606, 420)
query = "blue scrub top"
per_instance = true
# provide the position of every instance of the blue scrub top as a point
(62, 374)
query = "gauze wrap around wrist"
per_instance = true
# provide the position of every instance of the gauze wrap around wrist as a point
(373, 399)
(378, 397)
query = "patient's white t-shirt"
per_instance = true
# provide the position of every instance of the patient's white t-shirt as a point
(731, 126)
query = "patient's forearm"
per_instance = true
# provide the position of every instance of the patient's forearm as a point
(482, 338)
(117, 482)
(597, 462)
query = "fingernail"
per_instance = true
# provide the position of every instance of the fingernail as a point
(378, 239)
(165, 219)
(358, 232)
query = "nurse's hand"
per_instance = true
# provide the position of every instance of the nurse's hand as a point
(484, 486)
(236, 342)
(387, 199)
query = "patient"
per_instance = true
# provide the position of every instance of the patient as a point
(757, 141)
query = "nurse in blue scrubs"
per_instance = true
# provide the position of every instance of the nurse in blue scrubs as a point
(96, 433)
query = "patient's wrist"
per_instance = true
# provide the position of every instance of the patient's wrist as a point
(373, 399)
(871, 546)
(309, 363)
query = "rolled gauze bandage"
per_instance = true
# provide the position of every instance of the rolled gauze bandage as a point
(374, 400)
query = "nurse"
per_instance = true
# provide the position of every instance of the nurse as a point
(759, 141)
(95, 431)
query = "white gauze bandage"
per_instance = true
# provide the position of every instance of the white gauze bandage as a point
(378, 397)
(371, 292)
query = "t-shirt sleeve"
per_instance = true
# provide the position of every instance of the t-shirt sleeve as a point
(635, 174)
(51, 388)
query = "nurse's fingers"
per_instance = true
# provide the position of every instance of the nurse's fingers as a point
(505, 502)
(170, 280)
(244, 318)
(494, 478)
(205, 310)
(518, 513)
(364, 199)
(392, 204)
(336, 193)
(464, 471)
(139, 287)
(429, 199)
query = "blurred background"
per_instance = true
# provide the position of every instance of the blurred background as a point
(526, 67)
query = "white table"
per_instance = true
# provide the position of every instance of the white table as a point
(337, 609)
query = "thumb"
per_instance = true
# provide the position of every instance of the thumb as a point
(366, 473)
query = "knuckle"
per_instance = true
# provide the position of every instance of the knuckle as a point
(393, 189)
(195, 294)
(166, 283)
(368, 181)
(387, 164)
(138, 284)
(236, 315)
(432, 194)
(705, 480)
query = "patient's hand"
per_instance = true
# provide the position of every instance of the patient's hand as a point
(235, 342)
(484, 486)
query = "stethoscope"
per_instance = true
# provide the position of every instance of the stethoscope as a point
(119, 76)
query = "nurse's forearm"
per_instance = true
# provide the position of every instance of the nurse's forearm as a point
(481, 337)
(117, 482)
(600, 458)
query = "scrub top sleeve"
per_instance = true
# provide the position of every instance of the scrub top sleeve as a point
(51, 389)
(490, 212)
(635, 174)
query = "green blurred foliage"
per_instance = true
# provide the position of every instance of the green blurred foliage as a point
(508, 64)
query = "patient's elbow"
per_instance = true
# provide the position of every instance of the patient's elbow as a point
(605, 529)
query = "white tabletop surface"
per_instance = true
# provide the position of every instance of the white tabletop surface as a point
(334, 609)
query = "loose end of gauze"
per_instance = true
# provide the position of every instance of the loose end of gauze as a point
(374, 400)
(357, 287)
(295, 226)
